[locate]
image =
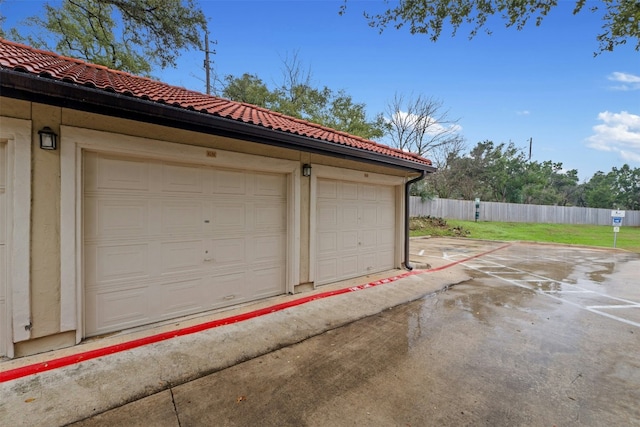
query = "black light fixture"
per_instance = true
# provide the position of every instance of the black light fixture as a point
(306, 169)
(47, 138)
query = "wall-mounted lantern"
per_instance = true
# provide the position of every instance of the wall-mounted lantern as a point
(47, 138)
(306, 169)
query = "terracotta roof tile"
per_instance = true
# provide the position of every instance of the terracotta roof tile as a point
(23, 58)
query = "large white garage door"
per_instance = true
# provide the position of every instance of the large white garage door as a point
(162, 240)
(3, 248)
(355, 226)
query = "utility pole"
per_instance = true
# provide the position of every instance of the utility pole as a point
(207, 61)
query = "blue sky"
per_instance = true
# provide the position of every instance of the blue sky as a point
(542, 82)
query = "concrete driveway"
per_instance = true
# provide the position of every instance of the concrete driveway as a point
(493, 334)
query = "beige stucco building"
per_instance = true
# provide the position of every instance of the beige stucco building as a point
(159, 202)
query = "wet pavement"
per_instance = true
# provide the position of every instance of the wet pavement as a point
(525, 335)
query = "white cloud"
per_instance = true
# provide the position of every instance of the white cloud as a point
(627, 81)
(523, 113)
(619, 133)
(433, 127)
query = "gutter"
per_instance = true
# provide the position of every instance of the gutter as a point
(407, 199)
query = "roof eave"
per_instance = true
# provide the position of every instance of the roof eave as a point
(21, 85)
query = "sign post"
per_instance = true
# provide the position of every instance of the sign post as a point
(617, 217)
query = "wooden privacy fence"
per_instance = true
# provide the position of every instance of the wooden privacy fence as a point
(514, 212)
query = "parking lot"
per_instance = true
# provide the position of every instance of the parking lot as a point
(492, 334)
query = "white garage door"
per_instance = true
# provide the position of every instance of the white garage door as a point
(162, 240)
(3, 248)
(355, 229)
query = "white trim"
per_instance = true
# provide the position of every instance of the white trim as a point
(18, 134)
(352, 175)
(72, 143)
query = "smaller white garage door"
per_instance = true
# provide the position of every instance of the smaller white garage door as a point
(3, 248)
(162, 240)
(355, 229)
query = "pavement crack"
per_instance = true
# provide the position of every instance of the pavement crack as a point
(175, 408)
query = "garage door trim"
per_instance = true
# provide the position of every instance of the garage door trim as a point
(351, 175)
(16, 324)
(74, 140)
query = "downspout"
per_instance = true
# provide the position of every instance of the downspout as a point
(407, 204)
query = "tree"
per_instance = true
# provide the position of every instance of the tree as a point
(620, 18)
(296, 96)
(419, 124)
(598, 192)
(618, 189)
(128, 35)
(249, 89)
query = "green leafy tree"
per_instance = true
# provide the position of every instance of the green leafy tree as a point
(618, 189)
(248, 88)
(620, 18)
(626, 185)
(599, 191)
(546, 184)
(128, 35)
(296, 96)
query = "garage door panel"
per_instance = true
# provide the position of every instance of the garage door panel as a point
(368, 239)
(225, 289)
(327, 189)
(268, 248)
(368, 262)
(368, 192)
(385, 194)
(229, 216)
(177, 298)
(266, 281)
(192, 238)
(386, 237)
(384, 260)
(115, 218)
(348, 191)
(350, 216)
(327, 269)
(349, 241)
(125, 261)
(327, 242)
(385, 216)
(183, 179)
(369, 216)
(117, 309)
(228, 252)
(119, 174)
(349, 266)
(327, 217)
(182, 217)
(270, 217)
(181, 256)
(229, 182)
(270, 185)
(355, 229)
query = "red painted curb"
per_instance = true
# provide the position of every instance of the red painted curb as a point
(61, 362)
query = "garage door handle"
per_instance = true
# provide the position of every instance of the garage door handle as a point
(229, 297)
(208, 260)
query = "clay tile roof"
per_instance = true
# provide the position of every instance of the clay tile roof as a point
(18, 57)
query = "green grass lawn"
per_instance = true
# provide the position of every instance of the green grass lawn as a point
(590, 235)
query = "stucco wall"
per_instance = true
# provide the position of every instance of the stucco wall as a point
(45, 226)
